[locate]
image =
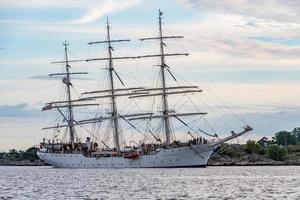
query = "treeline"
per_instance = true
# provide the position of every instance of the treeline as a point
(287, 138)
(15, 155)
(284, 145)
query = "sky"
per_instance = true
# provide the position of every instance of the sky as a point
(244, 54)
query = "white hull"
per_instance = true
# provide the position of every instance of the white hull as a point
(195, 156)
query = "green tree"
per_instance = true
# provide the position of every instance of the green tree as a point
(254, 147)
(13, 154)
(31, 154)
(296, 133)
(285, 138)
(275, 152)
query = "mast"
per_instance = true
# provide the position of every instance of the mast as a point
(68, 103)
(163, 83)
(67, 81)
(113, 91)
(114, 113)
(164, 89)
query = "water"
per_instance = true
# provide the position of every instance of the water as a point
(192, 183)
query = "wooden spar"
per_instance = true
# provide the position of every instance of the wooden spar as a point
(96, 59)
(137, 57)
(112, 58)
(50, 106)
(169, 115)
(234, 135)
(160, 55)
(71, 73)
(116, 90)
(167, 88)
(110, 96)
(118, 116)
(163, 37)
(165, 93)
(121, 58)
(95, 120)
(96, 97)
(106, 41)
(70, 61)
(55, 102)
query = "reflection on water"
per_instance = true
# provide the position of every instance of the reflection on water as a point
(192, 183)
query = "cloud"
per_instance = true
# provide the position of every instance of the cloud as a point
(229, 34)
(279, 10)
(19, 110)
(269, 123)
(108, 7)
(48, 3)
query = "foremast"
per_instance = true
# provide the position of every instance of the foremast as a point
(69, 104)
(67, 82)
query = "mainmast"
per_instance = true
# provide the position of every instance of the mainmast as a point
(163, 82)
(67, 82)
(114, 92)
(114, 112)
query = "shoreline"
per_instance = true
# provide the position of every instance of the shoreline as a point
(213, 162)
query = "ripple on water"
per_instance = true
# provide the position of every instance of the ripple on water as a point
(199, 183)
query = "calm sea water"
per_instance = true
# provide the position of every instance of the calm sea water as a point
(192, 183)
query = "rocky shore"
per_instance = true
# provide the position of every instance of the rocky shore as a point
(4, 162)
(248, 160)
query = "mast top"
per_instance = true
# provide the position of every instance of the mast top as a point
(160, 14)
(65, 44)
(107, 21)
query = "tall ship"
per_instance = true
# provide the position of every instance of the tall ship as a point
(159, 146)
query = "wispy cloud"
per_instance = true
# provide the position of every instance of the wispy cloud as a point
(108, 7)
(279, 10)
(19, 110)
